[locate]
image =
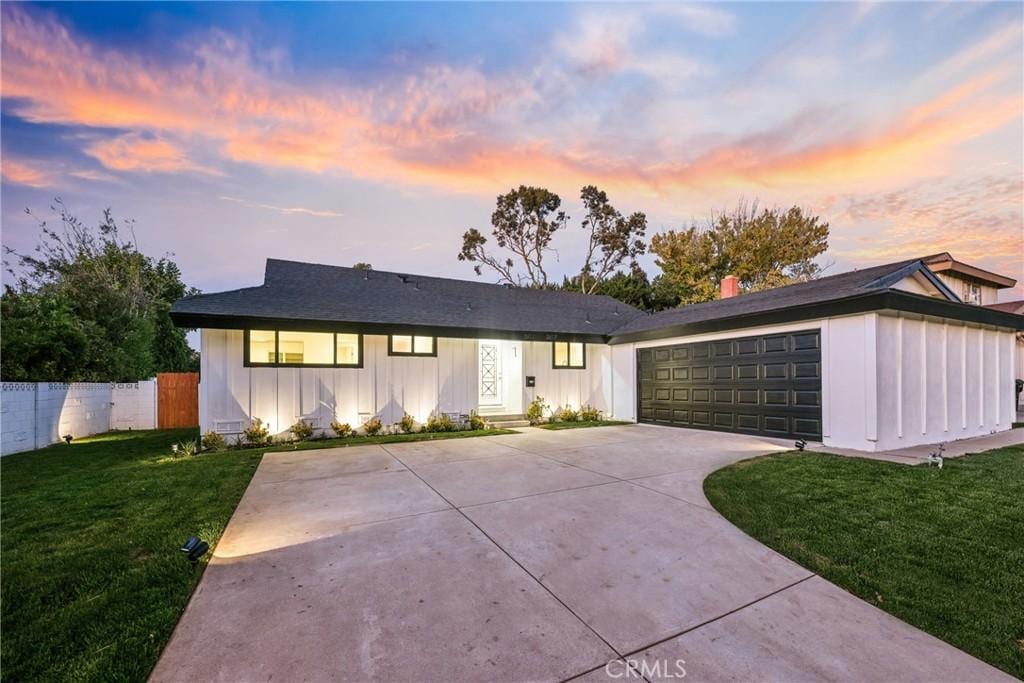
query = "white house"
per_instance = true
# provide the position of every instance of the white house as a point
(872, 359)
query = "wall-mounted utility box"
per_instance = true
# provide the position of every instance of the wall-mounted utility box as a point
(531, 381)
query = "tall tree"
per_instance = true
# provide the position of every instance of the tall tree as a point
(764, 249)
(613, 239)
(103, 307)
(524, 221)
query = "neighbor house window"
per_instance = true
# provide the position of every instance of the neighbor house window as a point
(569, 355)
(972, 293)
(284, 348)
(409, 345)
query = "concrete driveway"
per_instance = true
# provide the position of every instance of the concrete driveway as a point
(540, 556)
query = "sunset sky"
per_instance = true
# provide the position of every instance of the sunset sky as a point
(343, 133)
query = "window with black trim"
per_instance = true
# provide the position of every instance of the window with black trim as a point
(411, 345)
(287, 348)
(568, 355)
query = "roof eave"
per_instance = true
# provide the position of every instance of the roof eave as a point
(861, 303)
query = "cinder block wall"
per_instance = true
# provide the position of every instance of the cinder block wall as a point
(37, 414)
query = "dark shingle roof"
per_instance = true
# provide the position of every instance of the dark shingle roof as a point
(831, 288)
(313, 292)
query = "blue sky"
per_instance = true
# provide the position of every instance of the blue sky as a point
(339, 133)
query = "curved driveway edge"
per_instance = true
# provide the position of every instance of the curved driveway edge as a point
(536, 556)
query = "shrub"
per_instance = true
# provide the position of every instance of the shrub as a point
(301, 430)
(439, 423)
(590, 414)
(407, 424)
(372, 426)
(256, 434)
(535, 411)
(341, 429)
(212, 441)
(475, 421)
(566, 414)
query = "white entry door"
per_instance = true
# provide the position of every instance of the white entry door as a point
(490, 374)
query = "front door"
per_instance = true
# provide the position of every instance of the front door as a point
(490, 374)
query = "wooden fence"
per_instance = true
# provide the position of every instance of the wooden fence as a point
(178, 399)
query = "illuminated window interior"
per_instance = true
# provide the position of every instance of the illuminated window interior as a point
(408, 345)
(325, 349)
(569, 355)
(261, 347)
(348, 349)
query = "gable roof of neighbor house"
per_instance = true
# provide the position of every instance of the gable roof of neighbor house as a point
(944, 262)
(312, 296)
(1016, 307)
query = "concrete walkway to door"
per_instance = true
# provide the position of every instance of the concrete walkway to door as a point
(540, 556)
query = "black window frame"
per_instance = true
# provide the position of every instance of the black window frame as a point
(247, 361)
(568, 355)
(413, 353)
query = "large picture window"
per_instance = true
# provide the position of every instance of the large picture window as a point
(409, 345)
(285, 348)
(569, 355)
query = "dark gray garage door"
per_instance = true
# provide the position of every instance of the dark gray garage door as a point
(768, 385)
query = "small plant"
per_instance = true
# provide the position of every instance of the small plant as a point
(341, 429)
(212, 441)
(439, 423)
(407, 424)
(566, 414)
(256, 434)
(301, 430)
(475, 421)
(535, 411)
(184, 449)
(589, 413)
(372, 426)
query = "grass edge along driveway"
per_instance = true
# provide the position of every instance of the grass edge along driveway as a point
(939, 549)
(93, 582)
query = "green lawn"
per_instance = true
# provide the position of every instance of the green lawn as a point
(940, 549)
(582, 423)
(92, 581)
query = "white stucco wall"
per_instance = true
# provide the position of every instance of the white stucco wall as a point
(386, 386)
(882, 388)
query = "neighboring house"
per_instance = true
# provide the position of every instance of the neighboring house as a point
(871, 359)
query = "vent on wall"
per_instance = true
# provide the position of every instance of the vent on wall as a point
(227, 426)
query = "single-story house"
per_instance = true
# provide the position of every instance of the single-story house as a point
(871, 359)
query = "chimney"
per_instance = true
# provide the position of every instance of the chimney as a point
(730, 287)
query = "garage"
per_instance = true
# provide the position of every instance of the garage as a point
(768, 384)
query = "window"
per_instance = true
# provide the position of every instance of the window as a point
(972, 293)
(569, 355)
(347, 349)
(283, 348)
(409, 345)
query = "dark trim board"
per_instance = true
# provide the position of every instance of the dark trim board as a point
(865, 303)
(768, 385)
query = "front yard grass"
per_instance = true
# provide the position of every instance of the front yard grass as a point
(582, 423)
(942, 549)
(93, 581)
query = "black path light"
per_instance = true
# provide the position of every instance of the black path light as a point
(194, 548)
(800, 443)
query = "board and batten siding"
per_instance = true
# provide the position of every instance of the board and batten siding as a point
(386, 386)
(230, 395)
(573, 387)
(888, 380)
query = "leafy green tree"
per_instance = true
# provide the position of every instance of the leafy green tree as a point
(613, 239)
(102, 307)
(764, 249)
(632, 287)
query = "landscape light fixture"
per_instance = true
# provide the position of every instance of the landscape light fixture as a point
(800, 443)
(194, 548)
(67, 439)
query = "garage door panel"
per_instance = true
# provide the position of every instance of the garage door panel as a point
(769, 384)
